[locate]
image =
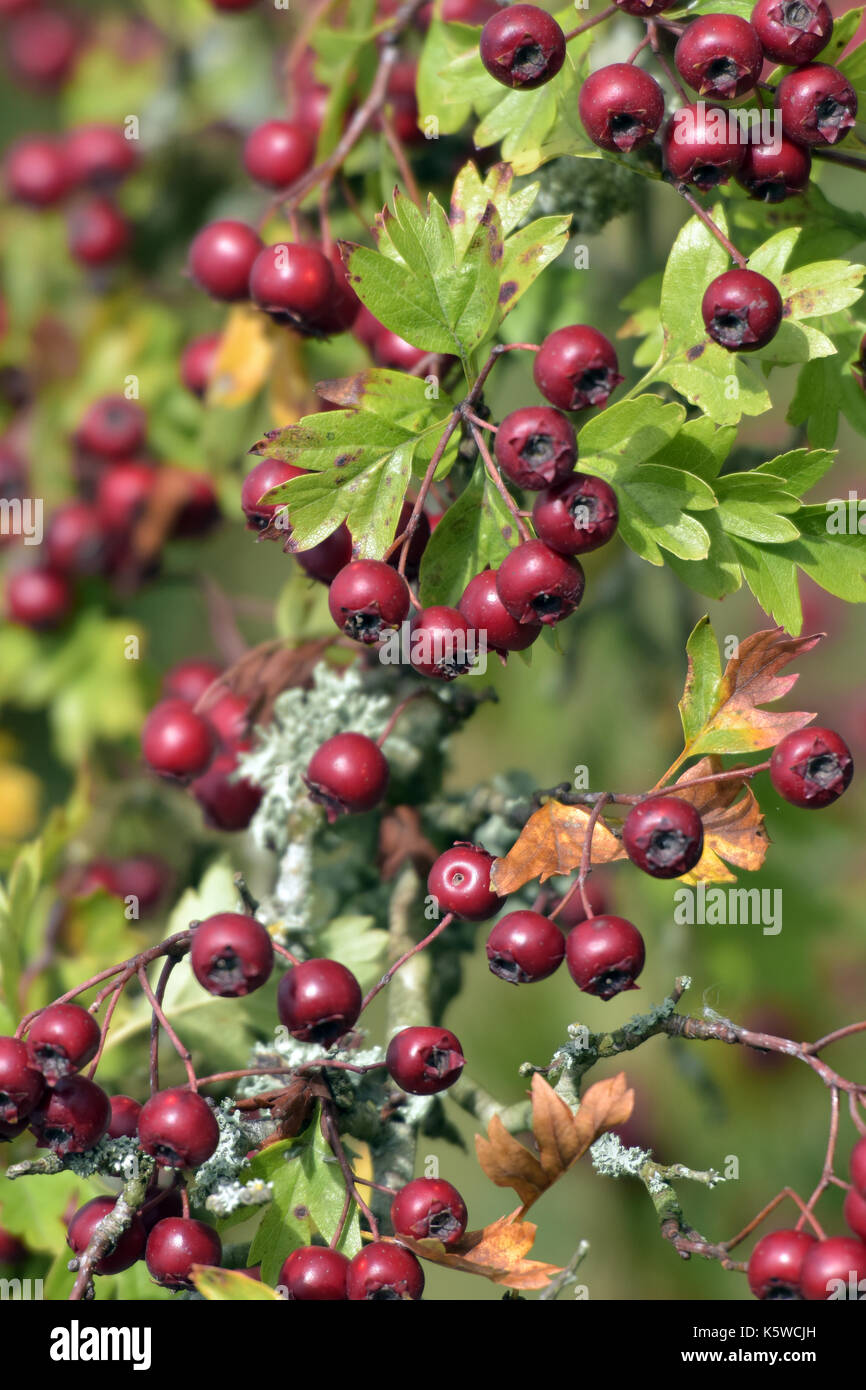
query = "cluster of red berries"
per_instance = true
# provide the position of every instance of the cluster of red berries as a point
(721, 57)
(92, 535)
(85, 166)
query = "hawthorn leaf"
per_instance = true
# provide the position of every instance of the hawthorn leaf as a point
(231, 1286)
(498, 1253)
(551, 843)
(476, 531)
(732, 820)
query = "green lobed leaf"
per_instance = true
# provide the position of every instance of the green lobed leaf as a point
(476, 531)
(703, 680)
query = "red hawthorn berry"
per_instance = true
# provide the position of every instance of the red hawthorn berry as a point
(61, 1040)
(292, 281)
(858, 1166)
(347, 774)
(525, 947)
(40, 599)
(175, 741)
(576, 367)
(834, 1268)
(576, 516)
(621, 107)
(460, 882)
(72, 1116)
(664, 836)
(324, 561)
(318, 1001)
(441, 643)
(368, 597)
(424, 1061)
(811, 767)
(383, 1271)
(537, 584)
(429, 1209)
(228, 802)
(522, 46)
(604, 955)
(486, 614)
(792, 31)
(701, 146)
(97, 232)
(776, 1262)
(127, 1249)
(21, 1083)
(315, 1273)
(231, 954)
(178, 1129)
(854, 1211)
(817, 103)
(535, 447)
(99, 156)
(36, 172)
(742, 310)
(175, 1244)
(198, 362)
(124, 1118)
(719, 55)
(276, 153)
(269, 473)
(773, 172)
(221, 258)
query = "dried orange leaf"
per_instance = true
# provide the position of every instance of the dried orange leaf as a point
(497, 1253)
(509, 1164)
(555, 1129)
(551, 842)
(604, 1106)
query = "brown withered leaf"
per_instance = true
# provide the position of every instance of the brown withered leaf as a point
(562, 1136)
(551, 842)
(733, 824)
(262, 673)
(498, 1252)
(401, 839)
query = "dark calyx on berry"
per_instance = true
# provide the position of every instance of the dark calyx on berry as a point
(811, 767)
(664, 836)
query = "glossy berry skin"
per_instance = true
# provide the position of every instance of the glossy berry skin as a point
(97, 233)
(368, 597)
(621, 107)
(292, 280)
(348, 773)
(834, 1268)
(113, 428)
(537, 584)
(776, 1262)
(341, 309)
(535, 446)
(189, 680)
(792, 31)
(198, 362)
(771, 174)
(574, 911)
(741, 310)
(175, 741)
(221, 258)
(324, 561)
(719, 55)
(429, 1209)
(818, 105)
(811, 767)
(525, 947)
(62, 1039)
(178, 1129)
(268, 474)
(125, 1252)
(854, 1212)
(440, 643)
(604, 955)
(99, 156)
(424, 1061)
(315, 1274)
(384, 1271)
(576, 367)
(36, 172)
(390, 350)
(278, 152)
(698, 148)
(231, 954)
(228, 802)
(21, 1084)
(229, 714)
(124, 1118)
(74, 539)
(40, 599)
(576, 516)
(858, 1166)
(486, 614)
(664, 836)
(318, 1001)
(522, 46)
(72, 1116)
(174, 1245)
(460, 882)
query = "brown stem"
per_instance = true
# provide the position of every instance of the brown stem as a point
(160, 1018)
(591, 23)
(711, 226)
(407, 955)
(395, 145)
(496, 478)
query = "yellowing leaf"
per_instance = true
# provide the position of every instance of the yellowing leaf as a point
(733, 824)
(231, 1286)
(291, 395)
(551, 842)
(509, 1164)
(497, 1253)
(243, 362)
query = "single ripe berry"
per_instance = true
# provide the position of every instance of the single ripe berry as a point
(62, 1039)
(97, 232)
(621, 107)
(811, 767)
(429, 1209)
(664, 836)
(719, 55)
(854, 1212)
(99, 156)
(774, 172)
(325, 560)
(42, 47)
(72, 1116)
(741, 310)
(576, 367)
(348, 773)
(604, 955)
(424, 1061)
(21, 1084)
(576, 516)
(230, 716)
(38, 598)
(538, 585)
(574, 910)
(174, 1245)
(189, 680)
(228, 801)
(792, 31)
(441, 643)
(113, 427)
(231, 954)
(341, 309)
(487, 615)
(124, 1118)
(128, 1248)
(268, 474)
(858, 1166)
(278, 152)
(175, 741)
(818, 105)
(700, 146)
(776, 1262)
(535, 446)
(36, 172)
(315, 1274)
(367, 597)
(221, 258)
(384, 1270)
(198, 362)
(522, 46)
(525, 947)
(178, 1129)
(834, 1268)
(74, 539)
(292, 281)
(318, 1001)
(460, 882)
(122, 495)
